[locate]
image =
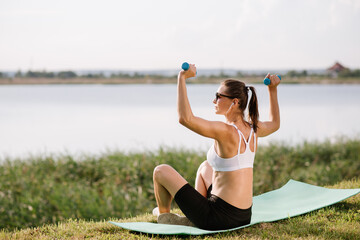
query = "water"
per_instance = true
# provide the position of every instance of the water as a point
(92, 119)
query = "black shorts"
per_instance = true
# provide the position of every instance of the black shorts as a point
(211, 213)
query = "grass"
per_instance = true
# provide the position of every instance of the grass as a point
(339, 221)
(42, 190)
(48, 189)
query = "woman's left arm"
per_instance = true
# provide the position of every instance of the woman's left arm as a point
(212, 129)
(268, 127)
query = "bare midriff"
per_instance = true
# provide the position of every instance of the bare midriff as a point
(234, 187)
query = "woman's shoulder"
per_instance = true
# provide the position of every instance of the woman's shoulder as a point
(229, 131)
(244, 127)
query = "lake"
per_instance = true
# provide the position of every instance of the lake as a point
(76, 119)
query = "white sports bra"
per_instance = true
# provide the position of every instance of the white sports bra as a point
(239, 161)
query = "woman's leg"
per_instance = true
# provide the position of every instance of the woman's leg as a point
(167, 181)
(203, 178)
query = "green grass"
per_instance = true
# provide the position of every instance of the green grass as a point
(53, 188)
(339, 221)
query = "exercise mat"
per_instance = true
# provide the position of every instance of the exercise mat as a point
(293, 199)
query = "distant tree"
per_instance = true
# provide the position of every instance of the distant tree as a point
(89, 75)
(239, 74)
(37, 74)
(291, 73)
(138, 75)
(120, 75)
(2, 75)
(18, 74)
(223, 75)
(66, 74)
(356, 73)
(101, 75)
(348, 73)
(30, 74)
(49, 74)
(345, 73)
(94, 75)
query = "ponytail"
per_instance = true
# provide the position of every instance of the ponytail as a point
(238, 89)
(253, 109)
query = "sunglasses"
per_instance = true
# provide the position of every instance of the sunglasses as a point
(219, 95)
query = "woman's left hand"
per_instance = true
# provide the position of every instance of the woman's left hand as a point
(191, 72)
(274, 80)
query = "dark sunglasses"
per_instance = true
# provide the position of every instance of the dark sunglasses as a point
(219, 95)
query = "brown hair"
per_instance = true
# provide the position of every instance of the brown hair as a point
(239, 90)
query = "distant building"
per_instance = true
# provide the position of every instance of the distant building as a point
(336, 69)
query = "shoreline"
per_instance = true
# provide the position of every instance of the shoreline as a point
(149, 80)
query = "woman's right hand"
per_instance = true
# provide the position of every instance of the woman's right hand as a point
(274, 80)
(191, 72)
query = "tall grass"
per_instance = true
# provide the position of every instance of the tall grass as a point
(319, 163)
(48, 189)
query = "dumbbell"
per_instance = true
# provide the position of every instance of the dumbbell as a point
(185, 66)
(267, 80)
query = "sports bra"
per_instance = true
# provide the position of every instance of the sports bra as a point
(239, 161)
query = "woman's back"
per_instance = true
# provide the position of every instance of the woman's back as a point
(232, 177)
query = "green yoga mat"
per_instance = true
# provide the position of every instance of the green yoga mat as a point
(293, 199)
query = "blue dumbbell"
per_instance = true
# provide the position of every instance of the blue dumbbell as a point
(267, 80)
(185, 66)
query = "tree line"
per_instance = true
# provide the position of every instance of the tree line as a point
(347, 73)
(71, 74)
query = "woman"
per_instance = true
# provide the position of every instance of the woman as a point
(222, 198)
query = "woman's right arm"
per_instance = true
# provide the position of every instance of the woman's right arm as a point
(268, 127)
(211, 129)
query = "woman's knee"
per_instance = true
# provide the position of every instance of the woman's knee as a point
(204, 167)
(160, 171)
(169, 178)
(206, 172)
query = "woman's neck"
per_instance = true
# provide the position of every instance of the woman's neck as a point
(236, 119)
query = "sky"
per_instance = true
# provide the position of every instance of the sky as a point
(161, 34)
